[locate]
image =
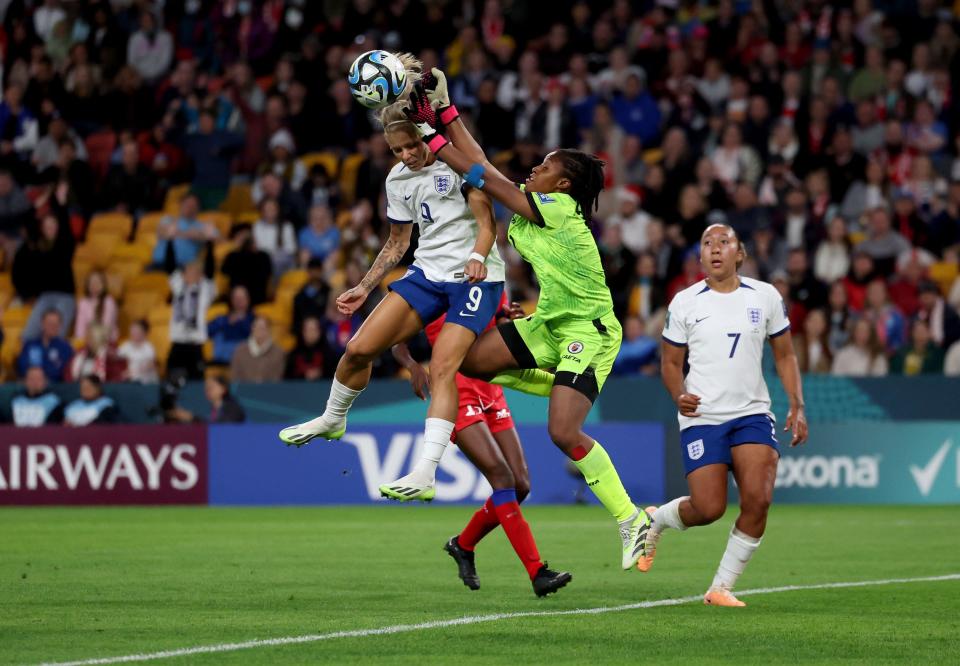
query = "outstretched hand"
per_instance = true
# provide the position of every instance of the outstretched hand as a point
(435, 84)
(422, 114)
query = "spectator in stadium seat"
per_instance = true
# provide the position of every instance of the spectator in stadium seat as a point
(15, 212)
(42, 270)
(49, 351)
(832, 259)
(312, 358)
(863, 356)
(18, 126)
(96, 307)
(646, 296)
(944, 230)
(638, 352)
(804, 286)
(271, 186)
(259, 359)
(140, 355)
(888, 321)
(838, 317)
(320, 238)
(192, 290)
(275, 236)
(921, 356)
(943, 320)
(98, 357)
(867, 133)
(320, 190)
(230, 330)
(312, 299)
(282, 160)
(150, 49)
(130, 186)
(211, 150)
(247, 265)
(812, 344)
(631, 219)
(47, 150)
(93, 407)
(883, 244)
(224, 407)
(185, 236)
(83, 105)
(867, 194)
(36, 404)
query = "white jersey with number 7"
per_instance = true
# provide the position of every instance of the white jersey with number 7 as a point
(724, 335)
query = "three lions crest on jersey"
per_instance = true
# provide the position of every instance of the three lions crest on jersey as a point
(432, 198)
(725, 335)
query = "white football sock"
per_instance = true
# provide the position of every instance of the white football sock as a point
(341, 397)
(668, 515)
(740, 548)
(436, 436)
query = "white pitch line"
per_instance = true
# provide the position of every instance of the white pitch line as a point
(476, 619)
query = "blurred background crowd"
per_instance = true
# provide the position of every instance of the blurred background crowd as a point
(185, 187)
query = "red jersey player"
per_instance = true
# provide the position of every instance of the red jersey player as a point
(485, 433)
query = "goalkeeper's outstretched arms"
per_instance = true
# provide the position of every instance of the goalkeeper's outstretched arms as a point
(475, 172)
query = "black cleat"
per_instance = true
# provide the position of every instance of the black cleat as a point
(464, 559)
(547, 581)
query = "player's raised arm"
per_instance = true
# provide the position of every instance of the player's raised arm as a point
(435, 85)
(789, 371)
(475, 173)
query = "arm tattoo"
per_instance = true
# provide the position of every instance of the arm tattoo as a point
(392, 252)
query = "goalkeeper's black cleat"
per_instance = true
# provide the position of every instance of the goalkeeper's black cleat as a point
(464, 558)
(547, 581)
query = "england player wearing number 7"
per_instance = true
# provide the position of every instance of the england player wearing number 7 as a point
(720, 324)
(457, 271)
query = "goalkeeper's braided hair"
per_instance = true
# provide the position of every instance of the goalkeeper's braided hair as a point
(586, 179)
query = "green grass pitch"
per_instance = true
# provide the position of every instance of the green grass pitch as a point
(79, 584)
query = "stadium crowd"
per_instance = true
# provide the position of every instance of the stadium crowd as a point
(185, 187)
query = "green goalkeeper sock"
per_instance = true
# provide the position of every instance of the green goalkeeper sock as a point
(603, 480)
(533, 381)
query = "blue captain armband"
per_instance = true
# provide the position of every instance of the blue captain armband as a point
(474, 177)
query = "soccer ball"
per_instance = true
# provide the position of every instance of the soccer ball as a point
(377, 79)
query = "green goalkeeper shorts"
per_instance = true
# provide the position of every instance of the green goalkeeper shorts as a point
(581, 351)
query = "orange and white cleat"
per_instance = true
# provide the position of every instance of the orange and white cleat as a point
(650, 545)
(721, 596)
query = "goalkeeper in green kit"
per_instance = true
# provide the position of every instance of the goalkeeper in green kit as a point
(573, 329)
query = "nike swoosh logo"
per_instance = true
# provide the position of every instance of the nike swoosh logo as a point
(926, 475)
(406, 197)
(701, 319)
(464, 314)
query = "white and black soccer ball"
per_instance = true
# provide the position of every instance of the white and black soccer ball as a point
(377, 79)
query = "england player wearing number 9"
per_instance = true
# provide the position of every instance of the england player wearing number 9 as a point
(457, 271)
(722, 323)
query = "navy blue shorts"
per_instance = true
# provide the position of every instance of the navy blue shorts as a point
(711, 444)
(469, 305)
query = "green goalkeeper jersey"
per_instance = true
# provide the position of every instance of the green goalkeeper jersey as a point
(559, 246)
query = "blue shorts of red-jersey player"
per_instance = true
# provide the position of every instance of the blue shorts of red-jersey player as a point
(480, 402)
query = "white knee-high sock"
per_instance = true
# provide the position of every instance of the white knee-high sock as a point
(668, 515)
(340, 400)
(740, 548)
(436, 436)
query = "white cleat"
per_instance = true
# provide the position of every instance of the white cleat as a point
(301, 434)
(633, 533)
(409, 488)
